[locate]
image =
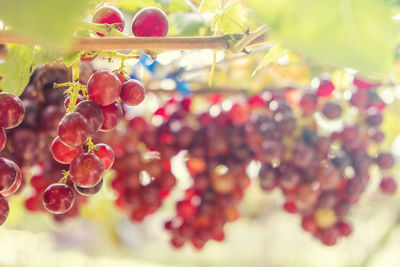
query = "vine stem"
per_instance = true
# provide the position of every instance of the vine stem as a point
(222, 42)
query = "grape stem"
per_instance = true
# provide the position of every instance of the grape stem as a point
(223, 42)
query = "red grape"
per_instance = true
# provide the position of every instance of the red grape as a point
(92, 113)
(12, 111)
(109, 15)
(106, 154)
(86, 170)
(385, 160)
(325, 88)
(64, 153)
(4, 209)
(388, 185)
(73, 129)
(332, 111)
(58, 198)
(104, 87)
(112, 115)
(132, 92)
(150, 22)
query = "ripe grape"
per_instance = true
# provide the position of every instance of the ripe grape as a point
(385, 160)
(64, 153)
(73, 129)
(325, 88)
(4, 209)
(14, 188)
(104, 87)
(150, 22)
(112, 115)
(68, 99)
(388, 185)
(9, 172)
(90, 190)
(132, 92)
(332, 111)
(92, 113)
(109, 15)
(12, 111)
(86, 170)
(58, 198)
(106, 154)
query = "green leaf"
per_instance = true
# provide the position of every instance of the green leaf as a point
(178, 5)
(16, 70)
(50, 22)
(233, 18)
(43, 56)
(347, 33)
(210, 6)
(273, 55)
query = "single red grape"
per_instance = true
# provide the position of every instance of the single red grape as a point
(73, 129)
(332, 111)
(150, 22)
(12, 111)
(385, 160)
(109, 15)
(104, 87)
(90, 190)
(4, 209)
(92, 113)
(388, 185)
(86, 170)
(64, 153)
(106, 154)
(58, 198)
(132, 92)
(112, 115)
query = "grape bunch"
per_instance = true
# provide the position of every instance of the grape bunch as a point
(217, 157)
(320, 175)
(73, 145)
(12, 112)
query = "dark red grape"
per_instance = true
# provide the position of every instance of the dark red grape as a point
(104, 87)
(64, 153)
(132, 92)
(90, 190)
(58, 198)
(4, 209)
(150, 22)
(92, 113)
(12, 111)
(73, 129)
(109, 15)
(308, 103)
(112, 115)
(385, 160)
(106, 154)
(86, 170)
(332, 111)
(9, 172)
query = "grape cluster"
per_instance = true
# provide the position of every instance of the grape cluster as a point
(73, 145)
